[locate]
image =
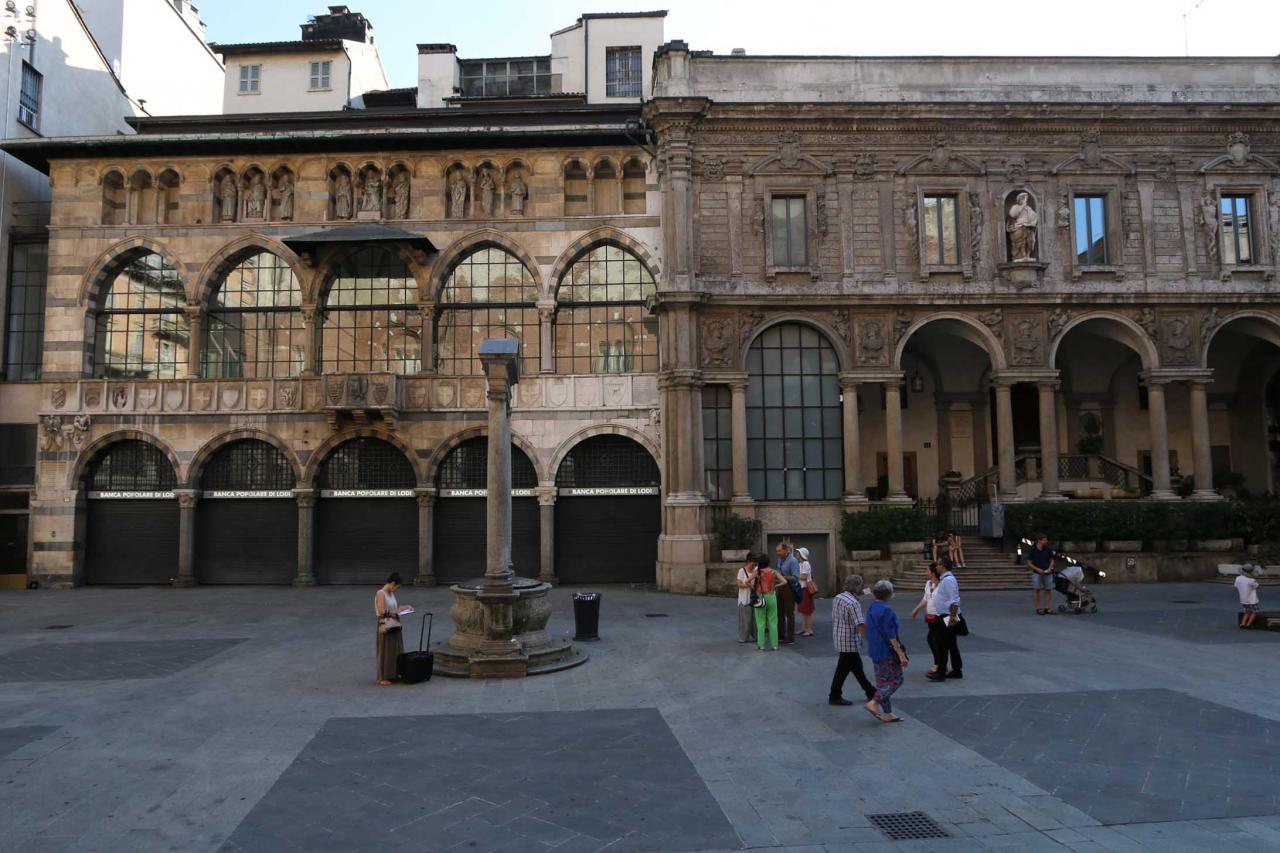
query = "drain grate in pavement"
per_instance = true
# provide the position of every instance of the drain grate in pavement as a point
(57, 627)
(900, 826)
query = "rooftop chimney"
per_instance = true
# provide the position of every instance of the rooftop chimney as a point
(340, 23)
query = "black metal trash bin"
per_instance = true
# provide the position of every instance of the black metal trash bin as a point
(586, 615)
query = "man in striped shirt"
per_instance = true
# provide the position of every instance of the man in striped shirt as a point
(848, 631)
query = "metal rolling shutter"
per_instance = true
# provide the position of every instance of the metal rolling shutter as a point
(362, 540)
(246, 541)
(131, 541)
(607, 539)
(461, 539)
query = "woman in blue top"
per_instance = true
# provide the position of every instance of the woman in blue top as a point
(886, 652)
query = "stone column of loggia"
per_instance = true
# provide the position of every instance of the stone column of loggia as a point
(1161, 488)
(1008, 479)
(1050, 487)
(1201, 442)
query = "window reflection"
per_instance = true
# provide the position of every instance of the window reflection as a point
(371, 320)
(141, 330)
(602, 325)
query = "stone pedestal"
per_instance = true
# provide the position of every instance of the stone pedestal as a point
(503, 635)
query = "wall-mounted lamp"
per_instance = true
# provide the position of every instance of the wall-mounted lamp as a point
(917, 382)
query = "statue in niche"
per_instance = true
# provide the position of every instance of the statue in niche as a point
(229, 198)
(873, 342)
(342, 196)
(1022, 223)
(371, 194)
(255, 203)
(517, 193)
(286, 198)
(1178, 342)
(486, 194)
(458, 196)
(400, 196)
(1209, 224)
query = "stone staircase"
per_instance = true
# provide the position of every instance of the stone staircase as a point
(986, 567)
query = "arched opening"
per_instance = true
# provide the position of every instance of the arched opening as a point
(342, 200)
(488, 294)
(794, 432)
(142, 198)
(606, 188)
(608, 512)
(167, 197)
(1243, 403)
(256, 196)
(367, 517)
(399, 187)
(247, 518)
(460, 522)
(141, 330)
(283, 195)
(113, 198)
(576, 189)
(371, 320)
(634, 188)
(602, 324)
(254, 327)
(132, 515)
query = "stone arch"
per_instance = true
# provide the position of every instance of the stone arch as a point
(115, 257)
(465, 245)
(91, 451)
(236, 251)
(583, 434)
(984, 337)
(595, 237)
(202, 456)
(326, 270)
(838, 343)
(577, 160)
(518, 163)
(1131, 335)
(1244, 314)
(450, 165)
(312, 467)
(445, 447)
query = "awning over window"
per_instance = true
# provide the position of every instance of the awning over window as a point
(366, 232)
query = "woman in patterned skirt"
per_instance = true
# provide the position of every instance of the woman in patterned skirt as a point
(390, 643)
(886, 652)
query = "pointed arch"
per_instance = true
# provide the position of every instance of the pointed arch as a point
(202, 456)
(837, 342)
(638, 436)
(115, 257)
(445, 447)
(983, 336)
(226, 258)
(473, 241)
(1132, 335)
(92, 450)
(312, 467)
(595, 237)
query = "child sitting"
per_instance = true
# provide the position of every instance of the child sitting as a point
(1247, 588)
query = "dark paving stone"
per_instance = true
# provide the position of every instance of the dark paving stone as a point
(1192, 624)
(913, 632)
(1122, 756)
(107, 661)
(15, 737)
(490, 782)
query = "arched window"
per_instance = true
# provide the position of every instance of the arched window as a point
(794, 432)
(371, 317)
(131, 466)
(255, 329)
(366, 463)
(602, 325)
(467, 467)
(142, 328)
(248, 465)
(489, 294)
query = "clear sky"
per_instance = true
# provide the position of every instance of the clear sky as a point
(846, 27)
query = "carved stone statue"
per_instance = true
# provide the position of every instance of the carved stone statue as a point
(976, 219)
(400, 196)
(486, 194)
(910, 218)
(872, 345)
(371, 194)
(517, 193)
(342, 198)
(255, 203)
(1022, 224)
(458, 196)
(228, 198)
(286, 198)
(1209, 224)
(1177, 342)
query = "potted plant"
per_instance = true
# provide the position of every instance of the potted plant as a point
(736, 535)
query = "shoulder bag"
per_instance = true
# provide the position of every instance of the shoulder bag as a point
(389, 625)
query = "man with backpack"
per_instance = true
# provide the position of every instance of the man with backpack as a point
(788, 594)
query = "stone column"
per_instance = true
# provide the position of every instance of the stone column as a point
(426, 516)
(1161, 488)
(546, 336)
(500, 359)
(893, 442)
(1201, 441)
(1004, 439)
(547, 533)
(1050, 489)
(741, 489)
(195, 339)
(306, 537)
(186, 538)
(427, 315)
(312, 317)
(854, 490)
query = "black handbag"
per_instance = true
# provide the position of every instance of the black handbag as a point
(961, 628)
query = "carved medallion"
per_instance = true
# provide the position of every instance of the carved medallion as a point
(712, 169)
(1027, 343)
(530, 393)
(312, 393)
(287, 395)
(58, 396)
(872, 346)
(789, 149)
(417, 394)
(51, 437)
(357, 388)
(333, 390)
(864, 165)
(80, 425)
(718, 339)
(230, 396)
(93, 396)
(148, 396)
(380, 390)
(1058, 320)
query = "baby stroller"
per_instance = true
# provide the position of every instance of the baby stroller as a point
(1072, 581)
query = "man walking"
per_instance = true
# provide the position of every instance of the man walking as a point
(946, 603)
(1040, 561)
(789, 568)
(848, 634)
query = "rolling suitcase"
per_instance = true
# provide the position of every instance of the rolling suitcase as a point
(417, 666)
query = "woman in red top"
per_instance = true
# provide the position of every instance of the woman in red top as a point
(764, 581)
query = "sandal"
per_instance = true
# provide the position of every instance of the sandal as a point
(384, 683)
(873, 713)
(890, 718)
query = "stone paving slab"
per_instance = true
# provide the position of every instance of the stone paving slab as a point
(107, 660)
(593, 780)
(1183, 622)
(14, 738)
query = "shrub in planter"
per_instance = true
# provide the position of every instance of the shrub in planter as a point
(736, 532)
(875, 528)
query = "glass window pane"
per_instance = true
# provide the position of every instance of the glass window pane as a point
(950, 228)
(796, 239)
(932, 231)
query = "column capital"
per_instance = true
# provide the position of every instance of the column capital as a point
(546, 494)
(187, 498)
(736, 381)
(306, 497)
(1051, 384)
(887, 377)
(1155, 379)
(425, 497)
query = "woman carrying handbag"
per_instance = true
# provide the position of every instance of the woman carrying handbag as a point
(390, 643)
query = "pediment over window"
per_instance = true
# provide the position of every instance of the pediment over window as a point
(941, 160)
(1240, 158)
(790, 160)
(1091, 160)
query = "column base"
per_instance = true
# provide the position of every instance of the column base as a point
(1011, 498)
(1206, 495)
(900, 499)
(858, 501)
(305, 580)
(1052, 496)
(185, 582)
(1164, 495)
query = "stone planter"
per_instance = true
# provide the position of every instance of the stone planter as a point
(734, 555)
(904, 548)
(1213, 545)
(863, 556)
(1122, 545)
(1079, 547)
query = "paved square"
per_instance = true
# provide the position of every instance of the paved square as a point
(819, 645)
(572, 780)
(108, 660)
(1123, 756)
(1184, 622)
(15, 737)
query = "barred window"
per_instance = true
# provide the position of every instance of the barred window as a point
(371, 320)
(141, 330)
(28, 264)
(255, 329)
(467, 467)
(717, 441)
(602, 324)
(489, 294)
(131, 466)
(29, 97)
(249, 464)
(623, 76)
(605, 461)
(367, 463)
